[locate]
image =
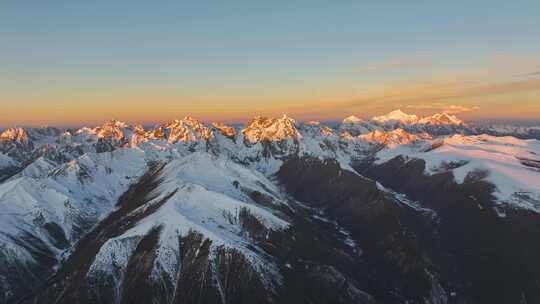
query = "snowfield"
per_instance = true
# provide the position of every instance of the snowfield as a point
(511, 164)
(71, 195)
(205, 200)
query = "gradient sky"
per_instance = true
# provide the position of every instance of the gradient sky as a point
(82, 62)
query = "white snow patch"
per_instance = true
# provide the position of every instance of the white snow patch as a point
(500, 157)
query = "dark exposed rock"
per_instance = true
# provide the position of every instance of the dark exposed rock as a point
(57, 236)
(496, 258)
(331, 286)
(18, 277)
(250, 224)
(307, 243)
(385, 230)
(226, 278)
(104, 145)
(8, 172)
(239, 282)
(194, 282)
(531, 163)
(137, 285)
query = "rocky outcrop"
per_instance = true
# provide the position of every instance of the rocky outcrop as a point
(270, 129)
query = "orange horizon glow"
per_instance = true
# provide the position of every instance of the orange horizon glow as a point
(478, 94)
(517, 100)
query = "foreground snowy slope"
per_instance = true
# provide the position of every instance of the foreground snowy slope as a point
(205, 196)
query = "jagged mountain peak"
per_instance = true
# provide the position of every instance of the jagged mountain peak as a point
(397, 116)
(225, 130)
(138, 129)
(355, 126)
(112, 129)
(441, 119)
(352, 119)
(14, 134)
(115, 123)
(272, 129)
(186, 120)
(187, 129)
(315, 128)
(391, 138)
(397, 112)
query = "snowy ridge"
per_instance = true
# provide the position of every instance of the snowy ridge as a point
(261, 145)
(399, 117)
(508, 163)
(225, 130)
(436, 124)
(355, 126)
(206, 201)
(270, 129)
(441, 119)
(115, 131)
(188, 129)
(391, 139)
(14, 134)
(396, 117)
(352, 120)
(72, 195)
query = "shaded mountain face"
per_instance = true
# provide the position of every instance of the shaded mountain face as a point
(395, 209)
(496, 256)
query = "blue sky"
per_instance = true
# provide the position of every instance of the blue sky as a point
(196, 56)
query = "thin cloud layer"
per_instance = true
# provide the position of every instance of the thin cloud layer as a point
(459, 96)
(434, 93)
(449, 109)
(529, 74)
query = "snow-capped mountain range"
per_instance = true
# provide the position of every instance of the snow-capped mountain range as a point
(277, 211)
